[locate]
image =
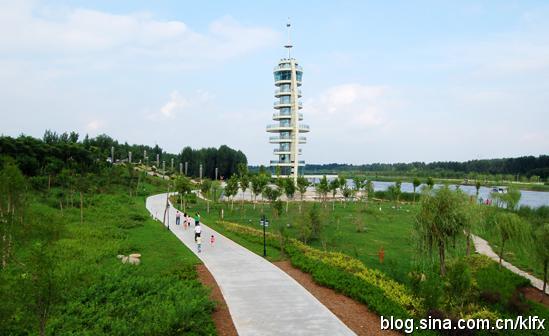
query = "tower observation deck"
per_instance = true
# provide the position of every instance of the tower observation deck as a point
(288, 127)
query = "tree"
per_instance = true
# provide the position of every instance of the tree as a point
(509, 200)
(416, 183)
(430, 182)
(370, 189)
(244, 184)
(205, 188)
(289, 190)
(259, 182)
(183, 186)
(334, 184)
(231, 189)
(509, 226)
(442, 216)
(322, 188)
(302, 184)
(347, 193)
(477, 187)
(541, 250)
(12, 206)
(272, 194)
(358, 182)
(316, 224)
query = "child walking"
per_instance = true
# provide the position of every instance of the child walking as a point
(199, 243)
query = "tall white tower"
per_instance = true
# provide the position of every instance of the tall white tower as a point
(287, 76)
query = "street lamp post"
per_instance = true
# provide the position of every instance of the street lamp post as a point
(265, 223)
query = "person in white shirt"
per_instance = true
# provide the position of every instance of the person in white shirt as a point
(197, 231)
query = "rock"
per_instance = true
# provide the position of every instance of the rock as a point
(135, 255)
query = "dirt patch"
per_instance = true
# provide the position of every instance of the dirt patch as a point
(354, 314)
(534, 294)
(221, 316)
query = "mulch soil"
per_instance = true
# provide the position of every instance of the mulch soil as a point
(536, 295)
(354, 314)
(221, 316)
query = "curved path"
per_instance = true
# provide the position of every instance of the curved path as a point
(262, 299)
(482, 247)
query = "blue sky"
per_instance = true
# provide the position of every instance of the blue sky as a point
(395, 81)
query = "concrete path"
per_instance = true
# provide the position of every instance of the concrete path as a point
(262, 299)
(482, 247)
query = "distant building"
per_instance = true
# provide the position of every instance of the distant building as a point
(288, 75)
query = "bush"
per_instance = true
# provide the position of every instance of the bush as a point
(124, 303)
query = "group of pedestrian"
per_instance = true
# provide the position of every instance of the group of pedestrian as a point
(197, 228)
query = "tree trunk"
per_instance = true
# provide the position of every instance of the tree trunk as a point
(287, 205)
(208, 206)
(442, 258)
(49, 182)
(333, 204)
(501, 253)
(468, 252)
(232, 204)
(255, 200)
(544, 277)
(81, 208)
(61, 207)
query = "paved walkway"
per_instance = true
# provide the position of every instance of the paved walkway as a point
(262, 299)
(482, 247)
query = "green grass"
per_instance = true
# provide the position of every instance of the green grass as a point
(389, 228)
(95, 293)
(518, 254)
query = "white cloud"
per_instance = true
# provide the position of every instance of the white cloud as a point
(179, 103)
(82, 36)
(355, 104)
(94, 125)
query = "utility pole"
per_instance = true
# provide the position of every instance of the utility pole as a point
(180, 168)
(172, 164)
(129, 157)
(201, 172)
(216, 173)
(112, 154)
(157, 161)
(186, 166)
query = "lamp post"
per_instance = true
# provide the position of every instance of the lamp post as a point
(265, 223)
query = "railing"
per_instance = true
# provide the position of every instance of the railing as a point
(286, 66)
(300, 162)
(276, 126)
(278, 103)
(278, 115)
(288, 90)
(304, 127)
(279, 150)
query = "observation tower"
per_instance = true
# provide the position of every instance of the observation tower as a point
(288, 127)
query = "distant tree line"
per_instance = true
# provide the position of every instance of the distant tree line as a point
(55, 152)
(524, 166)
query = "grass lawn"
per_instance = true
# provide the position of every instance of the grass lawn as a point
(389, 228)
(94, 292)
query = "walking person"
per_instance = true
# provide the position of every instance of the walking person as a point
(199, 243)
(197, 231)
(185, 221)
(212, 240)
(177, 218)
(197, 219)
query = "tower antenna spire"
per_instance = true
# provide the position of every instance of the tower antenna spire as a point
(289, 45)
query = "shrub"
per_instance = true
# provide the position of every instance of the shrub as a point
(124, 303)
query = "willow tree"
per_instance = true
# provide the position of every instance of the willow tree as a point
(509, 226)
(443, 215)
(416, 183)
(541, 241)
